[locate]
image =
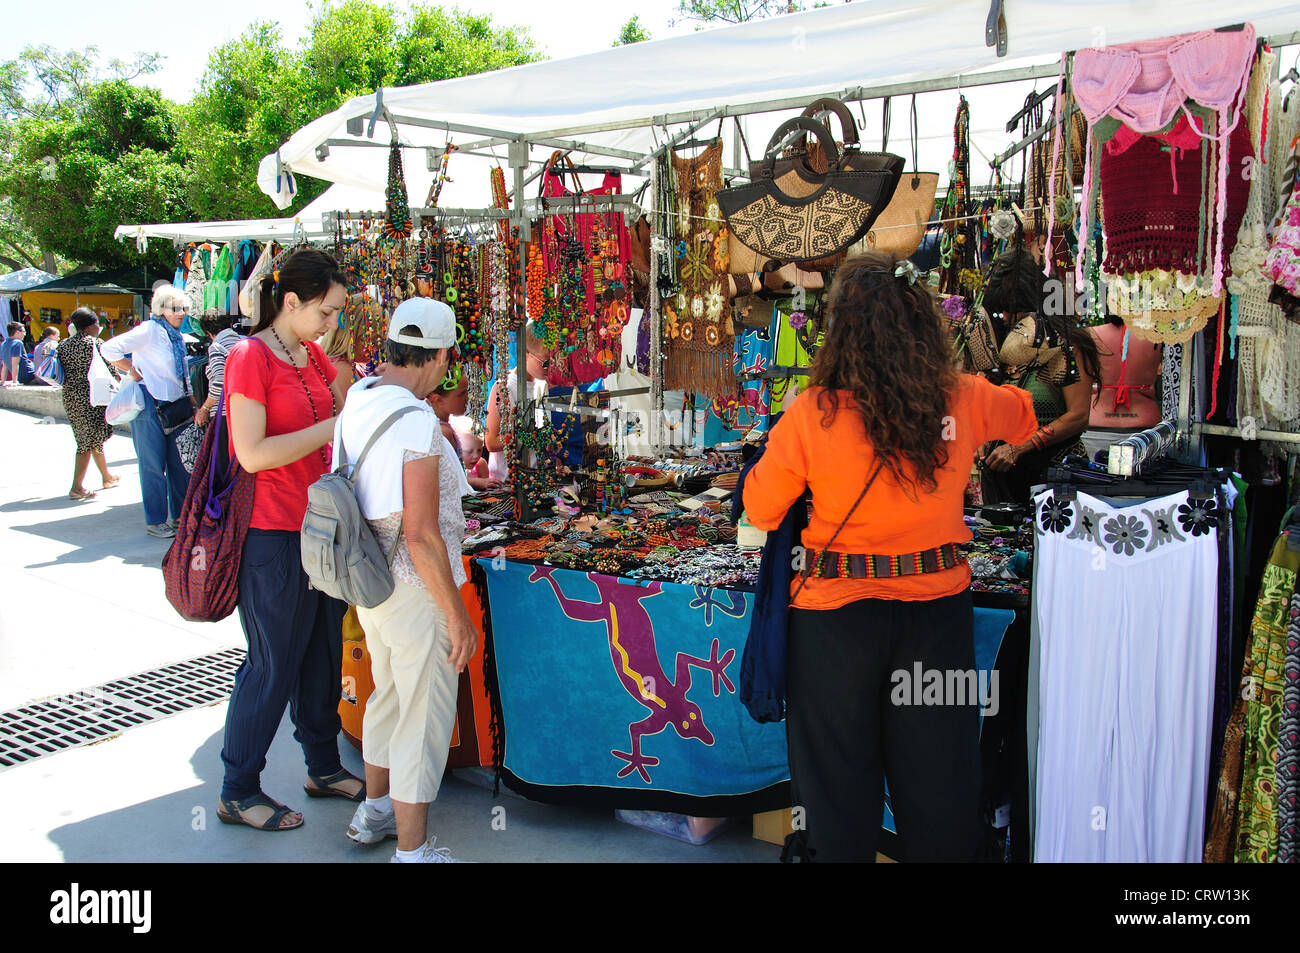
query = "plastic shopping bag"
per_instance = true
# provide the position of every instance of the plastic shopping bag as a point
(50, 369)
(126, 404)
(103, 385)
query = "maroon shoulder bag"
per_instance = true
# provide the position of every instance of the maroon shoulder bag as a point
(201, 570)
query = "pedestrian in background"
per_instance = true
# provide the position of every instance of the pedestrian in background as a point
(89, 428)
(223, 340)
(153, 353)
(45, 359)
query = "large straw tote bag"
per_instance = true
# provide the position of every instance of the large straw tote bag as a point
(900, 229)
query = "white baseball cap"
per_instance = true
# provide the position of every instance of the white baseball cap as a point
(436, 321)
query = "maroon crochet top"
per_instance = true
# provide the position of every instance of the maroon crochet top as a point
(1152, 206)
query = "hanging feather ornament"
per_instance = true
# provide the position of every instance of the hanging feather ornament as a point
(397, 212)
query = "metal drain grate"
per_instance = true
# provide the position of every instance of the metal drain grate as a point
(84, 717)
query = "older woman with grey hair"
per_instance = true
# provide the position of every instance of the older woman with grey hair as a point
(153, 353)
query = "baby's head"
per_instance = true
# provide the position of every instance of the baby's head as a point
(471, 449)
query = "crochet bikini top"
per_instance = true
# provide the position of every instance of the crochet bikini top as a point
(1145, 84)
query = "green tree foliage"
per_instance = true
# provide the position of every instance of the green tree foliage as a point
(75, 176)
(79, 154)
(740, 11)
(257, 92)
(633, 32)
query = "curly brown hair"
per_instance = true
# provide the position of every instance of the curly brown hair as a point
(888, 346)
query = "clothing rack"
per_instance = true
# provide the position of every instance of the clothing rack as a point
(1130, 455)
(1169, 477)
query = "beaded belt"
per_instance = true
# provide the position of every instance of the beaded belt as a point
(862, 566)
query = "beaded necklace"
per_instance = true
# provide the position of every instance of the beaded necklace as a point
(536, 291)
(957, 234)
(500, 200)
(302, 380)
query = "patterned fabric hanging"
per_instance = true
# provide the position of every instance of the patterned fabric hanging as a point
(1244, 822)
(1288, 746)
(749, 407)
(698, 329)
(397, 212)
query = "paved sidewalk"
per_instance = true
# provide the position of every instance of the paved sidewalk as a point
(81, 603)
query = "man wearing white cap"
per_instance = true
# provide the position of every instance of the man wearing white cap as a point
(421, 638)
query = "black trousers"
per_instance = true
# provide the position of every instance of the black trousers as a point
(847, 729)
(295, 658)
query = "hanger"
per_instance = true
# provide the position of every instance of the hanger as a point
(1031, 103)
(1067, 484)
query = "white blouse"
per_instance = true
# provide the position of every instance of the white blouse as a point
(151, 353)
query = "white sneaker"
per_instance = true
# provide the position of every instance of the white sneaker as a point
(431, 855)
(161, 530)
(368, 827)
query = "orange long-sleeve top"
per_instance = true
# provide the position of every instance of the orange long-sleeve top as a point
(835, 462)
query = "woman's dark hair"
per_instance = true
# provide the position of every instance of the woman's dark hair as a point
(216, 322)
(308, 272)
(1015, 286)
(887, 345)
(83, 318)
(408, 355)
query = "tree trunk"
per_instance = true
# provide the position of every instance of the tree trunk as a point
(13, 263)
(50, 263)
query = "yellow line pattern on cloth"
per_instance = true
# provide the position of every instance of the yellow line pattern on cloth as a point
(627, 669)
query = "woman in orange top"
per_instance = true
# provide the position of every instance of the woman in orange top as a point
(887, 407)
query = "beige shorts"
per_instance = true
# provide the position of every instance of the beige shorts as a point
(409, 717)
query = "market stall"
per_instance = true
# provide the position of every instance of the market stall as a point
(12, 286)
(116, 296)
(634, 250)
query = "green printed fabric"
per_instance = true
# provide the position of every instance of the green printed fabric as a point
(1257, 805)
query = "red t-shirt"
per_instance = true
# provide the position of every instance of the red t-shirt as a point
(280, 495)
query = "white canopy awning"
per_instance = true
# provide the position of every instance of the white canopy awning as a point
(262, 229)
(611, 100)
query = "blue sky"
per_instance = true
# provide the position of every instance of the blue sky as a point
(186, 33)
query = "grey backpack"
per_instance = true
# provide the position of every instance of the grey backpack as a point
(340, 554)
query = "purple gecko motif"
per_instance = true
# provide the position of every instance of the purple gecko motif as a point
(636, 662)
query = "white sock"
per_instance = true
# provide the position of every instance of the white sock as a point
(410, 856)
(380, 805)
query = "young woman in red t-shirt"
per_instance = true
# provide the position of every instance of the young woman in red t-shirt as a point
(282, 395)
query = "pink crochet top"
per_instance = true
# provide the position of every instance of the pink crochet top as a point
(1144, 85)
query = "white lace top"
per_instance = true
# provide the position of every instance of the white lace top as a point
(451, 523)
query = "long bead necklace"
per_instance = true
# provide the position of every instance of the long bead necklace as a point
(302, 380)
